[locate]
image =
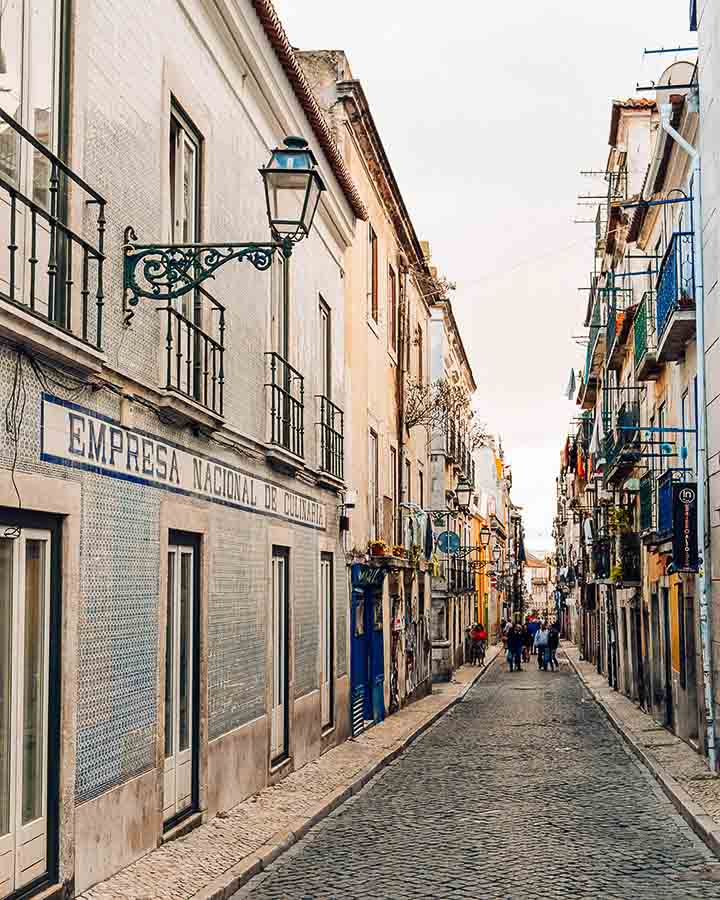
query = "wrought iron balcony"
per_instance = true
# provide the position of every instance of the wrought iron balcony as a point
(676, 297)
(193, 358)
(287, 410)
(647, 503)
(601, 559)
(331, 431)
(630, 558)
(665, 501)
(619, 316)
(624, 453)
(594, 355)
(647, 367)
(47, 268)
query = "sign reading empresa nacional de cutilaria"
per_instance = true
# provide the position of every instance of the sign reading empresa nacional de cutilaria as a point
(73, 435)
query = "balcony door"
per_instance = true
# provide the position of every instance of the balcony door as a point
(33, 273)
(181, 680)
(24, 708)
(279, 629)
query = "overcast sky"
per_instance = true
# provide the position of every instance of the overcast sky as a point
(488, 111)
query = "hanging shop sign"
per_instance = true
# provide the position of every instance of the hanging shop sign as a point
(74, 436)
(685, 538)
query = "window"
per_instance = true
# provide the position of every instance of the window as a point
(421, 486)
(372, 274)
(420, 355)
(325, 349)
(392, 308)
(408, 481)
(280, 306)
(662, 438)
(185, 159)
(373, 484)
(684, 423)
(327, 642)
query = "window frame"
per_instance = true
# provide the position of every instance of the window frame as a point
(373, 482)
(392, 309)
(372, 275)
(325, 319)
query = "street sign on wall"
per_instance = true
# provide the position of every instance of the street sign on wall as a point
(448, 542)
(685, 538)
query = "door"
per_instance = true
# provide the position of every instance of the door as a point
(667, 658)
(181, 683)
(29, 91)
(327, 643)
(359, 662)
(280, 648)
(24, 699)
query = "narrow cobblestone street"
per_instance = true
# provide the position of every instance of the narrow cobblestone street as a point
(523, 790)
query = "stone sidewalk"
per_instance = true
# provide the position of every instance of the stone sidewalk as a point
(215, 859)
(679, 770)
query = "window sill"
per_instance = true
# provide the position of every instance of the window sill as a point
(192, 821)
(32, 332)
(283, 460)
(280, 764)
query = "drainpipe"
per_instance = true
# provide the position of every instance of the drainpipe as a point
(705, 576)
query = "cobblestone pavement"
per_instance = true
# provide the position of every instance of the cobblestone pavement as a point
(523, 791)
(668, 752)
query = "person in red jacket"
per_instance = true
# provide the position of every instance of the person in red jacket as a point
(478, 636)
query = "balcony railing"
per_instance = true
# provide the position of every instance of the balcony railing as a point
(595, 329)
(644, 326)
(193, 358)
(630, 558)
(46, 267)
(647, 502)
(665, 501)
(287, 410)
(331, 428)
(676, 279)
(601, 558)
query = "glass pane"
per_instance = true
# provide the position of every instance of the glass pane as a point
(189, 173)
(6, 619)
(10, 85)
(34, 681)
(42, 90)
(170, 658)
(185, 648)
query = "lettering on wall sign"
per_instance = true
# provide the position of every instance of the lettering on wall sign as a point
(74, 436)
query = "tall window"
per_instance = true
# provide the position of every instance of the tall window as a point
(420, 354)
(421, 486)
(372, 274)
(373, 483)
(325, 349)
(392, 308)
(408, 481)
(185, 159)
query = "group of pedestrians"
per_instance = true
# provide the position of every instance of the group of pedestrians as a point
(533, 638)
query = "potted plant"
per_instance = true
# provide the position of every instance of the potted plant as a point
(378, 548)
(399, 550)
(620, 520)
(616, 574)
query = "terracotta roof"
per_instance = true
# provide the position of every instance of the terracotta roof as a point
(286, 55)
(629, 103)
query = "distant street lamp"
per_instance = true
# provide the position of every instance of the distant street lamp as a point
(463, 494)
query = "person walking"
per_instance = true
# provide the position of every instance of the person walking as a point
(528, 638)
(541, 645)
(553, 644)
(532, 626)
(478, 636)
(515, 646)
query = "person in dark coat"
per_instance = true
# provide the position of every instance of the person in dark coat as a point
(553, 644)
(516, 641)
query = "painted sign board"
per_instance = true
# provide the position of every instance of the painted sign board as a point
(685, 536)
(75, 436)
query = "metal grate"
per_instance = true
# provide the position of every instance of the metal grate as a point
(287, 393)
(676, 279)
(332, 439)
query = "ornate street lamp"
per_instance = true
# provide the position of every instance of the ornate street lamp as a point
(484, 536)
(497, 553)
(463, 494)
(292, 191)
(163, 272)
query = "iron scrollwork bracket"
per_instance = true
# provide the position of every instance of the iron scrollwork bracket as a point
(166, 272)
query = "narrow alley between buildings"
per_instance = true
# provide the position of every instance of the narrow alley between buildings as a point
(522, 790)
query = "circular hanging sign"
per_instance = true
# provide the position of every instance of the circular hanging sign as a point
(448, 542)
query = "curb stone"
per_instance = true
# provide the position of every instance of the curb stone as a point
(224, 886)
(704, 826)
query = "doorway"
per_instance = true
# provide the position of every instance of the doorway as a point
(327, 641)
(29, 705)
(280, 632)
(669, 718)
(182, 670)
(367, 654)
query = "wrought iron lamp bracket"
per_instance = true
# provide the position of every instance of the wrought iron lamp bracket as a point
(166, 272)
